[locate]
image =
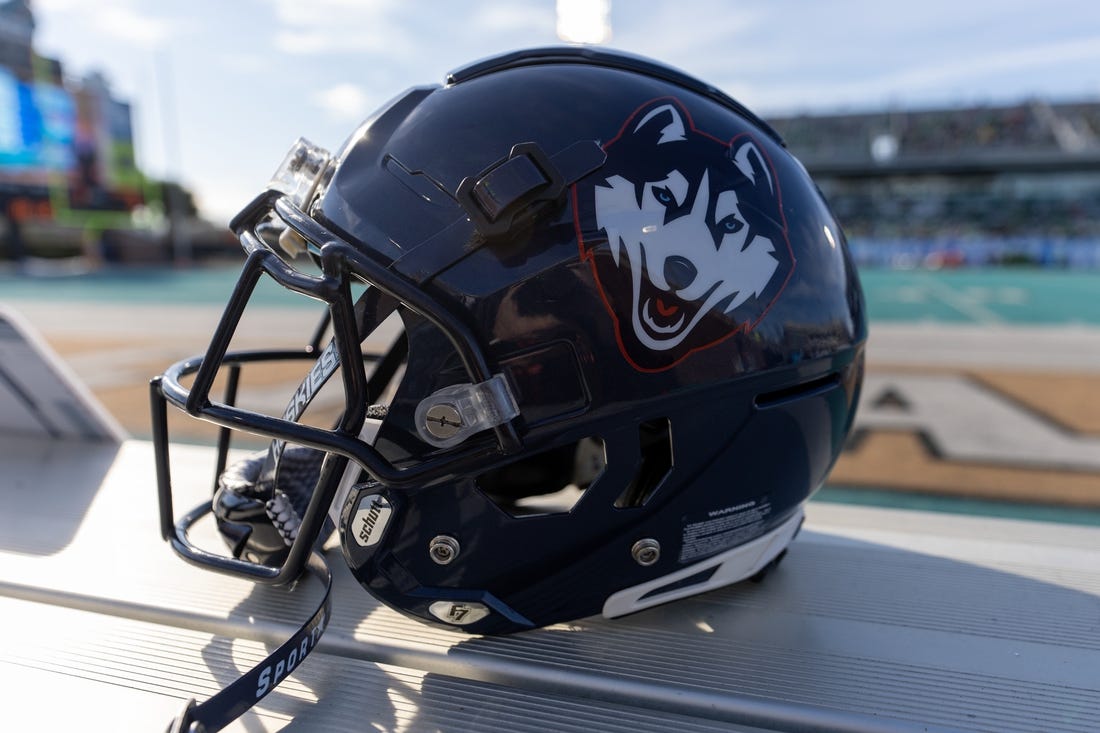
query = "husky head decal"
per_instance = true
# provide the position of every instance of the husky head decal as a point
(685, 234)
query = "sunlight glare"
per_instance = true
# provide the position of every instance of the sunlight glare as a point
(584, 21)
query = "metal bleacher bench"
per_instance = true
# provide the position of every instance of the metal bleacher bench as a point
(878, 620)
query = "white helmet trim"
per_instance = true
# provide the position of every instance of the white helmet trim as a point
(731, 566)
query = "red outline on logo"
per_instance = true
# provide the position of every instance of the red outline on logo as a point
(589, 257)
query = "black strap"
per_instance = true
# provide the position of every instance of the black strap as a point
(229, 704)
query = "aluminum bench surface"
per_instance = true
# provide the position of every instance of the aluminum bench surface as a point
(878, 619)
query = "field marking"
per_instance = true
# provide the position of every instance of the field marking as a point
(962, 302)
(968, 421)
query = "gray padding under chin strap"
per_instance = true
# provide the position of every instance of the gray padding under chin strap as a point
(298, 470)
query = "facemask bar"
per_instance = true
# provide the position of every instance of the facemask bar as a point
(339, 262)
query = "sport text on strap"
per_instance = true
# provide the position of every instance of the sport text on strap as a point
(229, 704)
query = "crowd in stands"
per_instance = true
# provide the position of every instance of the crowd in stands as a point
(893, 213)
(1034, 126)
(889, 215)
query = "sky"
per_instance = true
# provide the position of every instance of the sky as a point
(221, 88)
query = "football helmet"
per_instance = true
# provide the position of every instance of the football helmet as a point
(630, 348)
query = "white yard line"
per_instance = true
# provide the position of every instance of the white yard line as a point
(962, 302)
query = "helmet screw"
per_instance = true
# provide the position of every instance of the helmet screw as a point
(443, 420)
(443, 549)
(646, 552)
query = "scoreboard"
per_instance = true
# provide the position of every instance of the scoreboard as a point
(38, 131)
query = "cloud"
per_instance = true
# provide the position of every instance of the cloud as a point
(513, 18)
(1008, 62)
(969, 75)
(118, 20)
(126, 24)
(404, 33)
(334, 26)
(344, 102)
(54, 6)
(245, 62)
(786, 55)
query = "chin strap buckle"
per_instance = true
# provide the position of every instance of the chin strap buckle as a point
(450, 415)
(183, 723)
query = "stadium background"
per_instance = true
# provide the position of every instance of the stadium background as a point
(977, 231)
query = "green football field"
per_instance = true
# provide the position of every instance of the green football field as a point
(996, 296)
(990, 296)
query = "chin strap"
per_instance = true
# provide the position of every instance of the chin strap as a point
(232, 702)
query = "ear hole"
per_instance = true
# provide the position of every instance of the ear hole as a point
(551, 482)
(655, 437)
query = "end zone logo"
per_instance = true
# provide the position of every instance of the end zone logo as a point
(685, 234)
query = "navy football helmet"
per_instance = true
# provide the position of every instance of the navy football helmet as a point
(630, 348)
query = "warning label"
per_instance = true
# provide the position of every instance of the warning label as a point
(722, 529)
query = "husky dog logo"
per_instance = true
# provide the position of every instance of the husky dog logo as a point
(685, 234)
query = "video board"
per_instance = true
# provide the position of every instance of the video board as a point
(38, 124)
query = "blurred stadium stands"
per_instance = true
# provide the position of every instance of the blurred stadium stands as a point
(71, 189)
(947, 187)
(932, 188)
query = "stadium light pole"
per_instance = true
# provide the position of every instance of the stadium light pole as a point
(181, 244)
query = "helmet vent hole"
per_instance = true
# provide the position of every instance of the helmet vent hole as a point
(811, 388)
(655, 437)
(549, 482)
